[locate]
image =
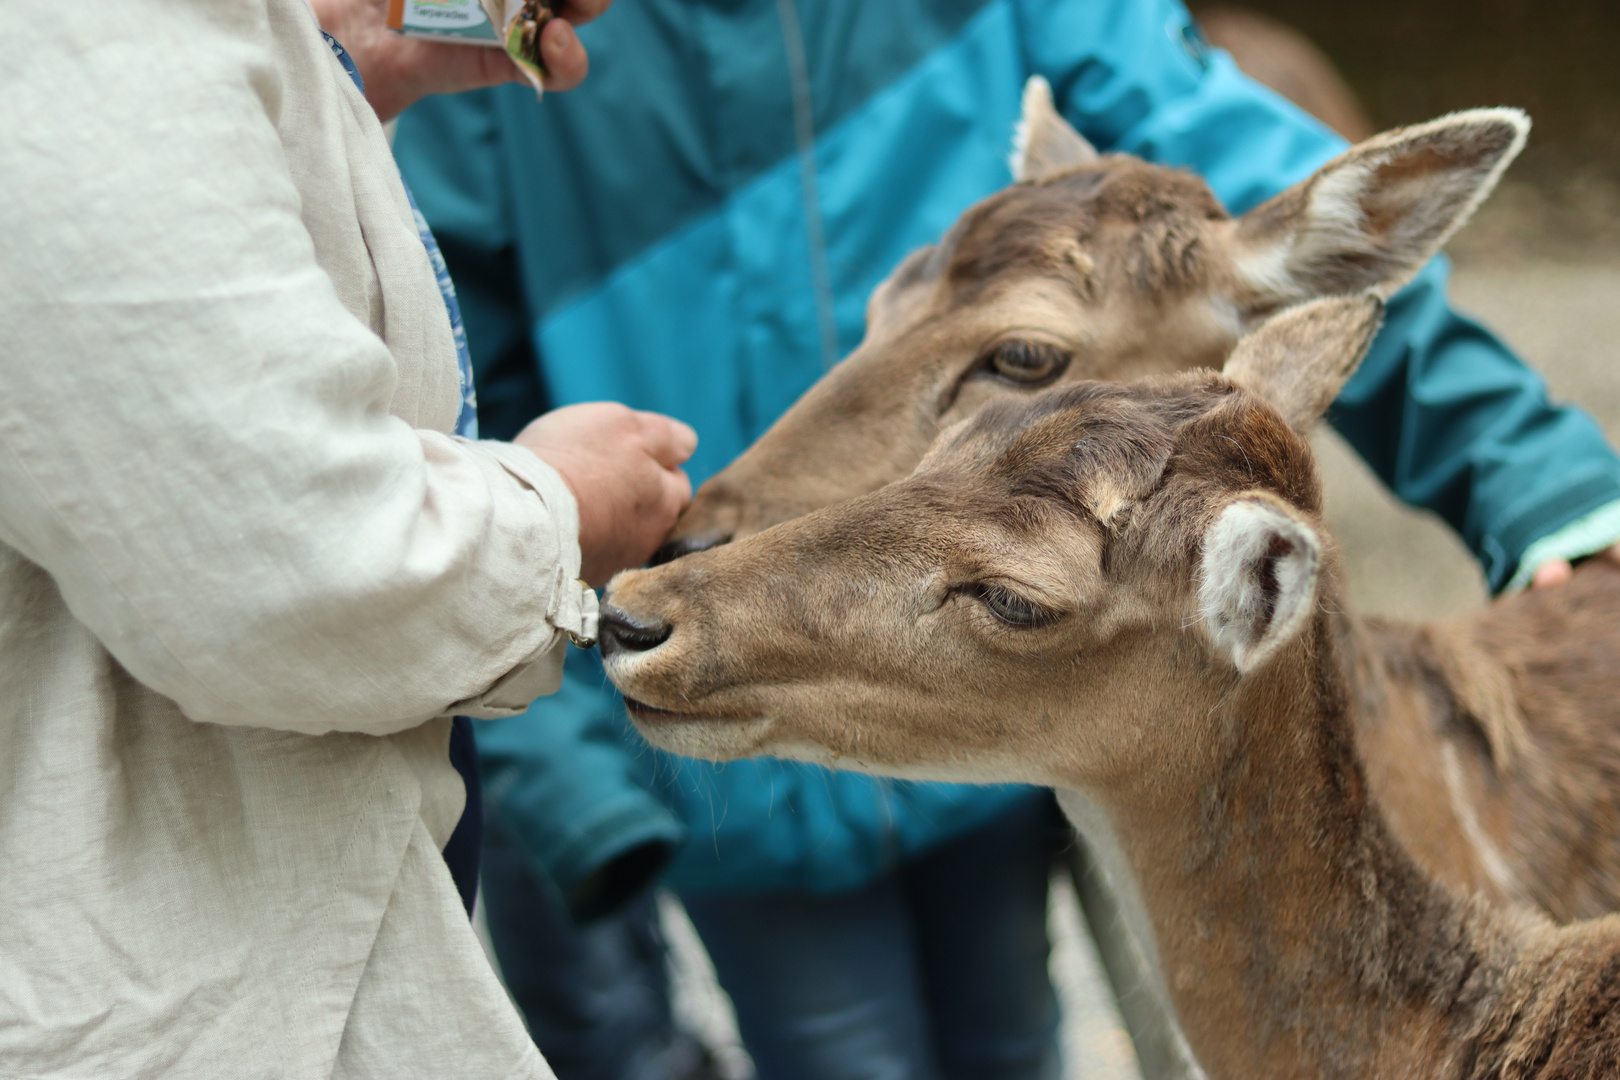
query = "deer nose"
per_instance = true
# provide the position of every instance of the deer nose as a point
(618, 631)
(671, 550)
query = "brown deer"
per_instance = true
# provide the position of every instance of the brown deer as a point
(1107, 267)
(1125, 592)
(1095, 267)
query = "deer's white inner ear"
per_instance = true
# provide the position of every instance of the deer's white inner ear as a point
(1374, 215)
(1257, 579)
(1045, 144)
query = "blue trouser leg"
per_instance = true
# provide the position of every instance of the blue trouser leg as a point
(826, 987)
(978, 909)
(595, 997)
(936, 971)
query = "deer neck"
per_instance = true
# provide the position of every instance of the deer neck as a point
(1438, 730)
(1296, 937)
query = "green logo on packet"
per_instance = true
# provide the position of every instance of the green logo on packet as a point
(464, 19)
(446, 14)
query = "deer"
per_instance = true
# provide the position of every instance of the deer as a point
(1108, 268)
(1095, 266)
(1125, 591)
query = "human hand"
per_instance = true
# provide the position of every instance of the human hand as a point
(1560, 570)
(623, 467)
(398, 71)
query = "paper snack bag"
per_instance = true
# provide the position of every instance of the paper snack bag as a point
(514, 25)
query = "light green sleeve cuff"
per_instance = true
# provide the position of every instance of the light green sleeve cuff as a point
(1583, 536)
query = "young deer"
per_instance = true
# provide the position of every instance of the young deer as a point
(1124, 591)
(1095, 267)
(1107, 267)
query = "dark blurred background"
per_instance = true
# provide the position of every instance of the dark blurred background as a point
(1410, 60)
(1413, 59)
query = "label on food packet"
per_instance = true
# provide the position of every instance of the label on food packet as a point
(466, 21)
(511, 24)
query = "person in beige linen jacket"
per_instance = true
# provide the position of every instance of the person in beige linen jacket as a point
(245, 575)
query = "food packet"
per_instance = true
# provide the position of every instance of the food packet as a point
(514, 25)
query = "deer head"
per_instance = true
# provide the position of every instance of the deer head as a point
(1059, 576)
(1095, 267)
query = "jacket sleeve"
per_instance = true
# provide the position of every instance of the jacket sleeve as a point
(1444, 412)
(195, 438)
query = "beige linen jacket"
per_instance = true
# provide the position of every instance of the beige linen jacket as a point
(245, 574)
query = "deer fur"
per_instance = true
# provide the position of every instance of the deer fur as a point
(1110, 268)
(1126, 592)
(1127, 269)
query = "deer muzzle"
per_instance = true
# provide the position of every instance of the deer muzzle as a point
(618, 631)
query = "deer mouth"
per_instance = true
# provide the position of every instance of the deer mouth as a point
(640, 710)
(652, 714)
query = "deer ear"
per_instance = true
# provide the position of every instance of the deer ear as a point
(1300, 359)
(1257, 579)
(1045, 144)
(1371, 217)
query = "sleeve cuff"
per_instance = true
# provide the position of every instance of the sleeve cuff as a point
(572, 609)
(1586, 535)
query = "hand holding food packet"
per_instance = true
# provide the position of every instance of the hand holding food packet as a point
(511, 24)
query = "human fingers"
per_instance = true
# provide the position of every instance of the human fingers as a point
(627, 534)
(564, 56)
(663, 494)
(677, 495)
(640, 534)
(1554, 573)
(495, 66)
(419, 68)
(668, 441)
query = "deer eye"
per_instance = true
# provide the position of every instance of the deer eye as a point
(1027, 363)
(1011, 608)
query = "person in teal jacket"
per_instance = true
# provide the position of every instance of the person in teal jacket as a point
(696, 231)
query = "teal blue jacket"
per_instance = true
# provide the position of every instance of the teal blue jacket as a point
(696, 231)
